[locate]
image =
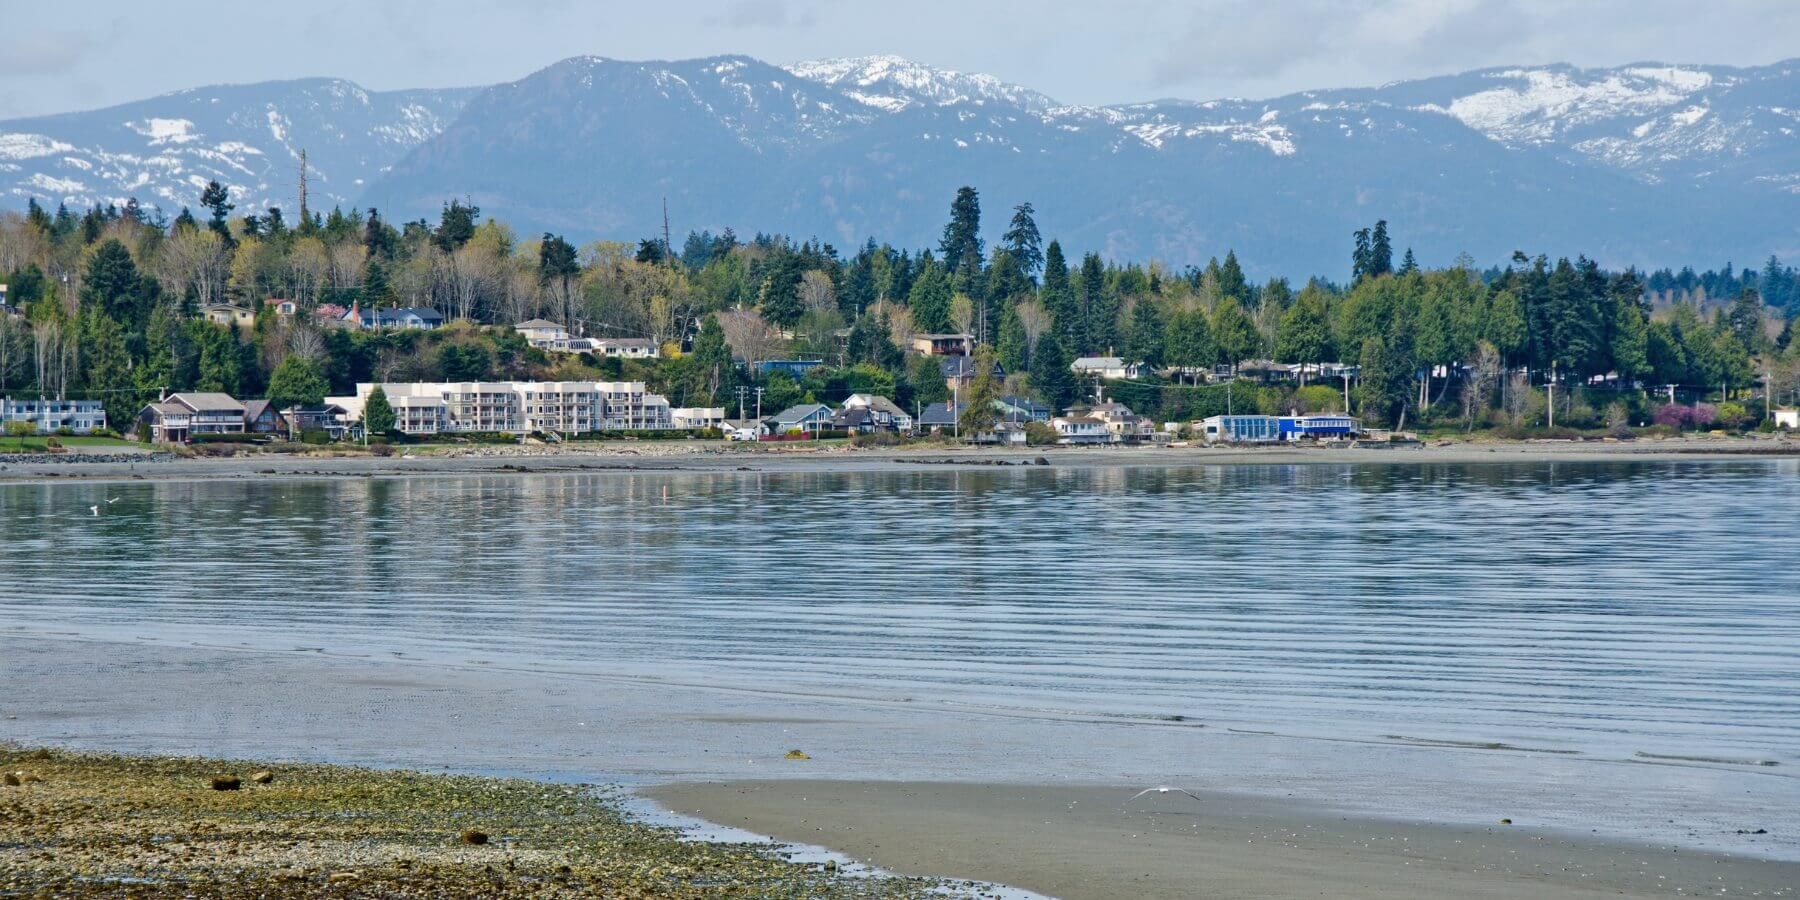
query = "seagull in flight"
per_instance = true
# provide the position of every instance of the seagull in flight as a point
(111, 500)
(1161, 789)
(95, 509)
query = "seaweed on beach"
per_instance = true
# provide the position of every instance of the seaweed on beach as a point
(101, 825)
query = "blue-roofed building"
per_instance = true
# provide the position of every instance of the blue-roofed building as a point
(1321, 426)
(795, 368)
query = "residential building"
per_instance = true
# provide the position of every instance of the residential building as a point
(855, 420)
(959, 371)
(419, 317)
(627, 348)
(261, 417)
(541, 333)
(629, 406)
(228, 314)
(51, 416)
(807, 417)
(484, 407)
(940, 417)
(1322, 426)
(1081, 430)
(562, 407)
(1124, 425)
(885, 414)
(1109, 368)
(943, 344)
(1024, 409)
(692, 417)
(1787, 419)
(1241, 429)
(178, 418)
(331, 418)
(286, 309)
(795, 368)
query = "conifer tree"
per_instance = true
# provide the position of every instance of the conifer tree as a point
(1022, 240)
(962, 234)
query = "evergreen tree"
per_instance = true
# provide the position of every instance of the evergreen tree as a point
(712, 362)
(375, 291)
(962, 234)
(556, 259)
(1014, 348)
(980, 413)
(1144, 339)
(930, 300)
(1381, 251)
(378, 414)
(1188, 343)
(1022, 241)
(1630, 349)
(113, 285)
(456, 225)
(779, 297)
(1097, 308)
(1380, 388)
(106, 365)
(1232, 284)
(1059, 299)
(1361, 262)
(297, 381)
(1050, 374)
(1233, 333)
(1408, 265)
(185, 222)
(1746, 320)
(216, 198)
(379, 238)
(1305, 332)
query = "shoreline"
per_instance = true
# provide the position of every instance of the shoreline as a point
(713, 457)
(1093, 842)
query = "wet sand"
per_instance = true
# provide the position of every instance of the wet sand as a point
(714, 456)
(1092, 843)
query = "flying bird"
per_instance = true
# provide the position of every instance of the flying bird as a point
(111, 500)
(95, 509)
(1160, 789)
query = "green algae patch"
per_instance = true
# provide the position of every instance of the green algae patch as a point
(80, 824)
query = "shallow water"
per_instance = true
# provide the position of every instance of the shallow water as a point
(1621, 610)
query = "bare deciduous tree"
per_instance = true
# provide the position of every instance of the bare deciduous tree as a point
(750, 338)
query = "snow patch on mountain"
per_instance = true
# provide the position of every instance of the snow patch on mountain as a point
(30, 146)
(892, 83)
(165, 131)
(1543, 104)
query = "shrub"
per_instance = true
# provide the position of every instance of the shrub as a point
(1733, 415)
(65, 431)
(1317, 398)
(315, 436)
(1618, 419)
(1675, 415)
(1040, 434)
(877, 439)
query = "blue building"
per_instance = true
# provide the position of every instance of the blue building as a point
(795, 368)
(1241, 429)
(1324, 426)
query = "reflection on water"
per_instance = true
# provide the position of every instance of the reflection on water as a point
(1609, 608)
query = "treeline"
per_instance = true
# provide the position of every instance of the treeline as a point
(111, 302)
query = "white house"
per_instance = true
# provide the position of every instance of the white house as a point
(884, 413)
(627, 348)
(1788, 419)
(517, 407)
(1081, 430)
(541, 333)
(1110, 368)
(697, 417)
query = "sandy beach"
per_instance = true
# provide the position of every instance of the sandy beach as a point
(714, 456)
(1094, 843)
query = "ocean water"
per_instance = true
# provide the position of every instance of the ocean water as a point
(1629, 610)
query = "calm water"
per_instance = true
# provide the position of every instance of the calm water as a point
(1613, 609)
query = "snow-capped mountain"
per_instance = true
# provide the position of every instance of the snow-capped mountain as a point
(162, 151)
(1646, 164)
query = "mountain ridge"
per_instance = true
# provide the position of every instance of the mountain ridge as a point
(1632, 163)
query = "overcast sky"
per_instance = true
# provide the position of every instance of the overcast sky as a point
(59, 56)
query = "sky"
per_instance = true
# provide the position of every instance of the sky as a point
(57, 57)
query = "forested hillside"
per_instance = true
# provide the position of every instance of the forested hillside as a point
(108, 305)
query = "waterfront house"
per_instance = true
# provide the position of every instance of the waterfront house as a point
(943, 344)
(1787, 419)
(692, 417)
(1081, 430)
(1240, 429)
(807, 417)
(855, 420)
(940, 418)
(1124, 425)
(179, 418)
(885, 414)
(331, 418)
(1023, 409)
(51, 416)
(228, 314)
(261, 417)
(1321, 426)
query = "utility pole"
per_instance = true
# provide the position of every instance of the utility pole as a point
(742, 391)
(1550, 389)
(759, 393)
(1768, 395)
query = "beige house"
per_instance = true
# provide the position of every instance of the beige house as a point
(228, 314)
(1787, 419)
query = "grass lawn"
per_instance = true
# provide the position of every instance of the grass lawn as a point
(39, 443)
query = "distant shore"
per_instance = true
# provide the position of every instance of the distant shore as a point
(715, 456)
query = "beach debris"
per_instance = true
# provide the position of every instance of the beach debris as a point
(226, 783)
(796, 754)
(474, 837)
(831, 865)
(1506, 821)
(1757, 831)
(263, 777)
(342, 876)
(1160, 789)
(12, 779)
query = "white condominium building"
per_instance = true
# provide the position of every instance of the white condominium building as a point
(518, 407)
